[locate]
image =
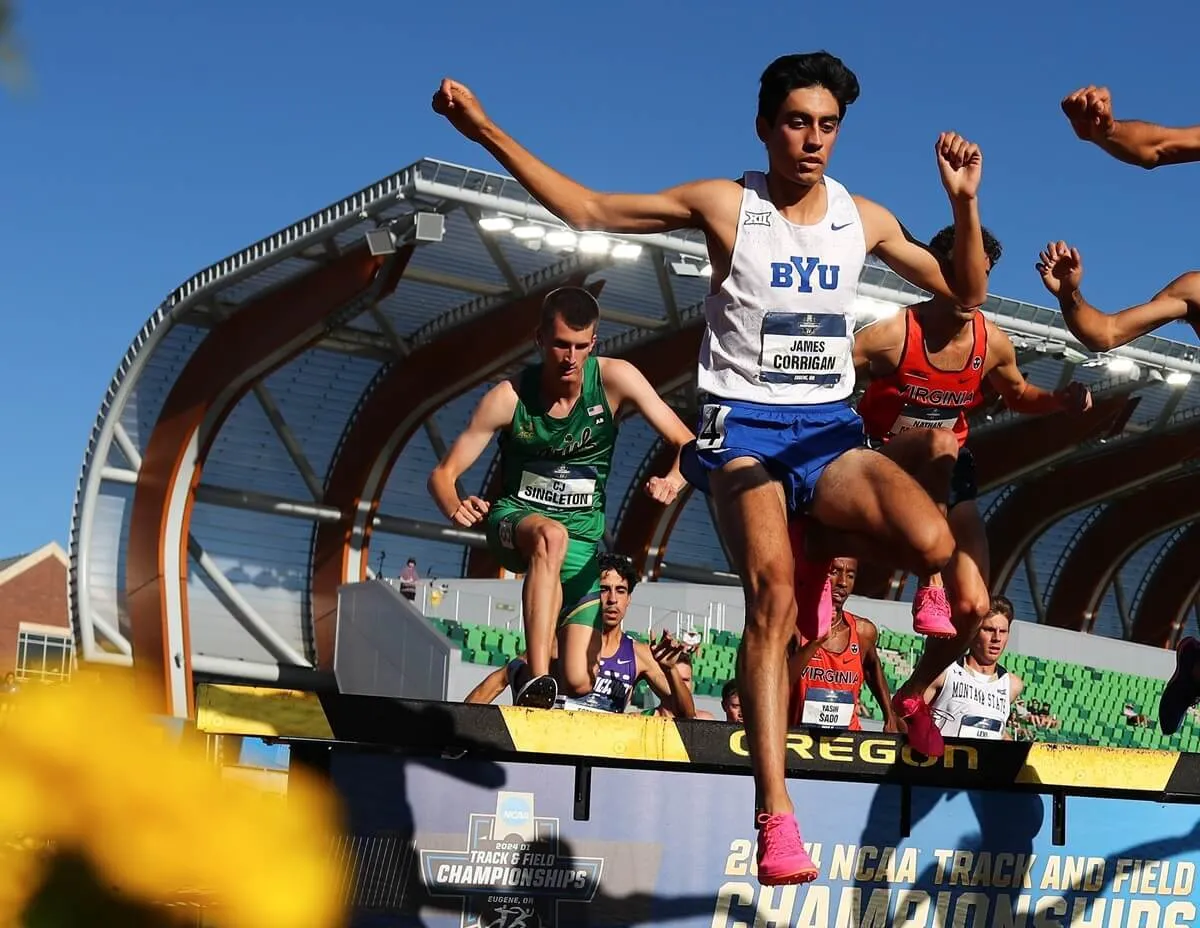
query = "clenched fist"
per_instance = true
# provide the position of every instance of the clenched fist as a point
(1089, 110)
(662, 489)
(960, 163)
(471, 511)
(456, 102)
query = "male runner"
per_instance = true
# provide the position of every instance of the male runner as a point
(927, 366)
(778, 437)
(1133, 141)
(973, 696)
(558, 425)
(827, 674)
(624, 661)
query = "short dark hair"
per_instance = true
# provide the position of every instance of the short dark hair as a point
(1001, 605)
(943, 243)
(621, 565)
(728, 691)
(575, 305)
(792, 72)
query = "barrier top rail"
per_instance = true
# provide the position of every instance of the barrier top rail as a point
(587, 739)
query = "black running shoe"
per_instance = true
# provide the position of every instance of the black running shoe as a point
(538, 693)
(1181, 690)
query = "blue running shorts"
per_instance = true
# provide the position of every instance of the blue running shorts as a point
(794, 443)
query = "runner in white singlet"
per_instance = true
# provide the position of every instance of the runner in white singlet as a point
(778, 441)
(972, 698)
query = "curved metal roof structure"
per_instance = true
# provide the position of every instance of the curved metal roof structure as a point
(269, 432)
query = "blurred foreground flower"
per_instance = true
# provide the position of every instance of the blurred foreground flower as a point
(98, 801)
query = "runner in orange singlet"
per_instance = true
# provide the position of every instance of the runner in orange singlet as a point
(827, 674)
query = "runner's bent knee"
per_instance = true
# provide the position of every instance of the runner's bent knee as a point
(549, 542)
(771, 598)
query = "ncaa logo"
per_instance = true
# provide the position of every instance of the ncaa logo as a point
(515, 812)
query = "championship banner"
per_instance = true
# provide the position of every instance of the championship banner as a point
(495, 845)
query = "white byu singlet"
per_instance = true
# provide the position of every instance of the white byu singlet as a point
(972, 706)
(781, 328)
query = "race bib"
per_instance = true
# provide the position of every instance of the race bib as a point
(812, 348)
(827, 708)
(913, 416)
(561, 487)
(978, 726)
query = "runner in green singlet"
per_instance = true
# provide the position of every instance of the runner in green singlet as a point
(557, 425)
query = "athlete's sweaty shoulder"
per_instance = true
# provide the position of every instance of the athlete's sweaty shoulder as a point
(1000, 350)
(715, 205)
(878, 221)
(868, 634)
(879, 345)
(498, 406)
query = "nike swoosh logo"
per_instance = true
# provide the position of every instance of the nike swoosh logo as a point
(836, 228)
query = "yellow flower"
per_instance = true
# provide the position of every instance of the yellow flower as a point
(85, 765)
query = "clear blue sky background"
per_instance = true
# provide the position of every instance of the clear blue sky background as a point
(158, 137)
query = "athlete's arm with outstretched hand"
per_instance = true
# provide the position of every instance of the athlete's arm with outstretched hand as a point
(1061, 267)
(964, 280)
(1019, 394)
(873, 675)
(682, 207)
(494, 412)
(1134, 141)
(624, 383)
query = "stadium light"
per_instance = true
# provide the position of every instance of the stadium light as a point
(1179, 378)
(1121, 366)
(495, 223)
(561, 238)
(593, 245)
(626, 251)
(529, 231)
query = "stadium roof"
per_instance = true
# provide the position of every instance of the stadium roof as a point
(273, 423)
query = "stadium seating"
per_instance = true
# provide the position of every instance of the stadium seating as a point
(1088, 702)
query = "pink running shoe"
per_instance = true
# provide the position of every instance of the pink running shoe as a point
(814, 592)
(923, 733)
(782, 859)
(931, 613)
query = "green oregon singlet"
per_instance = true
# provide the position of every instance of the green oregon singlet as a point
(559, 467)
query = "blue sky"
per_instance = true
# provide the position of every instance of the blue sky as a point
(156, 138)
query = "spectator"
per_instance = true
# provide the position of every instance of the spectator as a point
(408, 579)
(731, 702)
